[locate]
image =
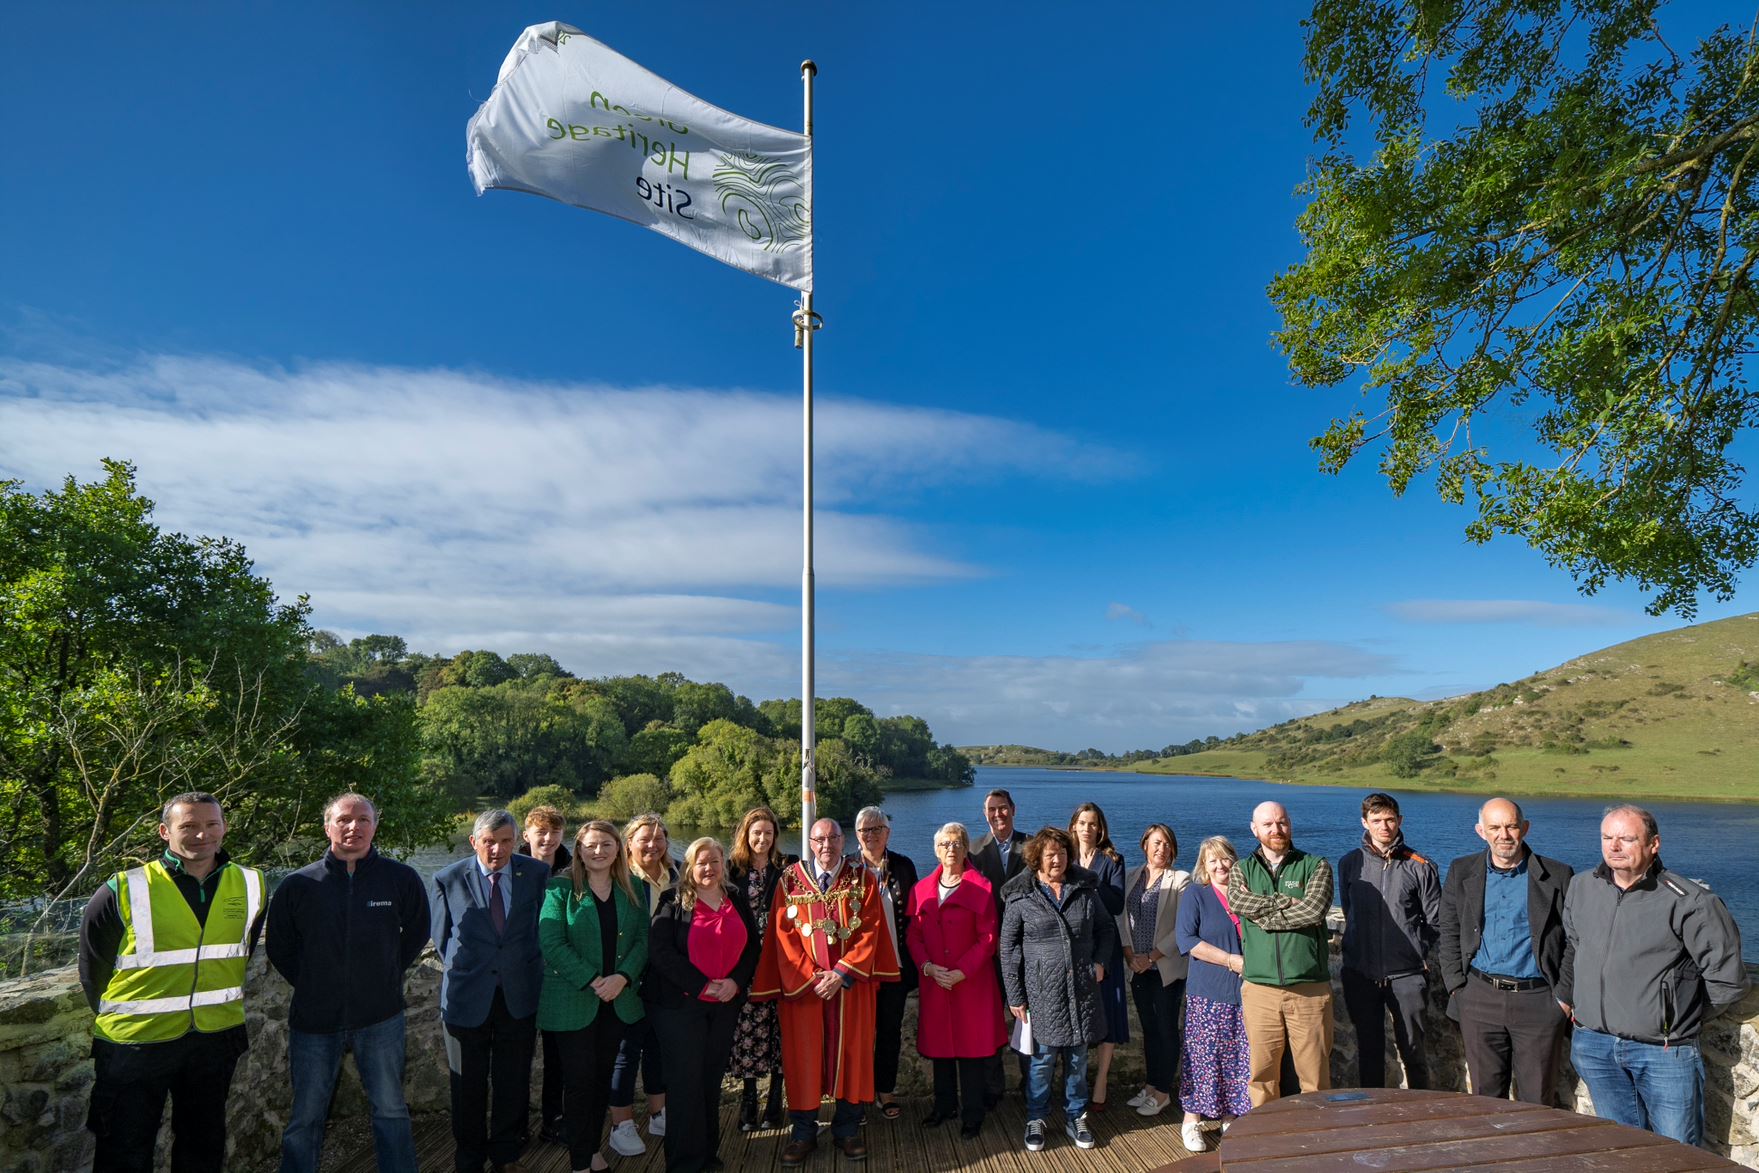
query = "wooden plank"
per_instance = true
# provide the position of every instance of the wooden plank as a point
(1399, 1134)
(1473, 1153)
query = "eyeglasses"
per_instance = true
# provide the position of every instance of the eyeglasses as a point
(948, 846)
(827, 839)
(869, 830)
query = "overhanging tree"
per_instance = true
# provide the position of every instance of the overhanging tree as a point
(1555, 236)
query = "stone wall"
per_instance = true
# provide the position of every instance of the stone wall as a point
(46, 1071)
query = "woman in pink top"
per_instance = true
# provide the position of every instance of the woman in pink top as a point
(952, 938)
(702, 951)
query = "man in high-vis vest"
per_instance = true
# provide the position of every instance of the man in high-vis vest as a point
(162, 952)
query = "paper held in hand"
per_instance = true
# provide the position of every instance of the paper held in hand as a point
(575, 121)
(1021, 1039)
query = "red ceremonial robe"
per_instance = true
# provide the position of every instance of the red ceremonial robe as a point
(827, 1045)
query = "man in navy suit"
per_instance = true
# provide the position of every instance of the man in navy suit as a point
(998, 857)
(485, 928)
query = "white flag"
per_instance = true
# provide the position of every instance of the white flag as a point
(574, 121)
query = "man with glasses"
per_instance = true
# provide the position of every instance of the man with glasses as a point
(825, 950)
(894, 875)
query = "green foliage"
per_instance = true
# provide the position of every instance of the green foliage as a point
(560, 797)
(135, 664)
(503, 739)
(1557, 225)
(1746, 677)
(728, 771)
(633, 794)
(1406, 753)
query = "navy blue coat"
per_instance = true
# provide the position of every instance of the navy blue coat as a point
(476, 958)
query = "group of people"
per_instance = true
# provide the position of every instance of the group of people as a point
(747, 961)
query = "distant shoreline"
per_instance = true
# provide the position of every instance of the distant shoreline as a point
(1525, 788)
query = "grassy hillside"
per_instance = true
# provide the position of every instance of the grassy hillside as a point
(1671, 715)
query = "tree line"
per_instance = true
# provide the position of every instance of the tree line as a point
(136, 664)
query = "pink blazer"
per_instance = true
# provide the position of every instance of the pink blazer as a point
(964, 1022)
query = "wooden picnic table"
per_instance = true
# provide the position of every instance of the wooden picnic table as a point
(1396, 1131)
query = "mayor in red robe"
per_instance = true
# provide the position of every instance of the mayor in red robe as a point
(825, 947)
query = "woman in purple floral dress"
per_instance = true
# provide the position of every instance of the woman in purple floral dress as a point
(756, 864)
(1216, 1061)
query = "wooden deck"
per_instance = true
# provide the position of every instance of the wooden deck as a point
(1126, 1142)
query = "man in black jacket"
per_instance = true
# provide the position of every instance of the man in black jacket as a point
(1391, 898)
(998, 857)
(343, 931)
(1501, 955)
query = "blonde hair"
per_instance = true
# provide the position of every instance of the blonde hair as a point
(645, 819)
(686, 885)
(619, 865)
(1214, 845)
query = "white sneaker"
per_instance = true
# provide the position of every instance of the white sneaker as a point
(1137, 1100)
(625, 1141)
(1191, 1135)
(656, 1124)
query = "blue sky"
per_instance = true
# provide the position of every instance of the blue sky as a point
(1065, 491)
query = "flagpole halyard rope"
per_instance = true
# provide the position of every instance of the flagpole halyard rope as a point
(806, 324)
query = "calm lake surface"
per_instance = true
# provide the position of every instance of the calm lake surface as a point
(1712, 842)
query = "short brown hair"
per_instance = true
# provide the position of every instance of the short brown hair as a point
(545, 816)
(1379, 802)
(1035, 846)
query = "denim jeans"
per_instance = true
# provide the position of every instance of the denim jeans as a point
(1643, 1085)
(1044, 1068)
(314, 1060)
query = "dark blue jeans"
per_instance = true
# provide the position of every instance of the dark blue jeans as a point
(1643, 1085)
(1044, 1068)
(314, 1061)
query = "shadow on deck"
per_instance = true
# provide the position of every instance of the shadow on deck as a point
(1126, 1142)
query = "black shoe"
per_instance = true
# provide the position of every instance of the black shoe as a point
(748, 1110)
(936, 1119)
(970, 1131)
(775, 1110)
(553, 1133)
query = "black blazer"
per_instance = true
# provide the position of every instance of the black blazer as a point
(988, 860)
(901, 878)
(1462, 916)
(672, 981)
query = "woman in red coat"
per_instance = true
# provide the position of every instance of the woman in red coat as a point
(952, 940)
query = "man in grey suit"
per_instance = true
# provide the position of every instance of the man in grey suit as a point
(484, 912)
(1501, 955)
(998, 857)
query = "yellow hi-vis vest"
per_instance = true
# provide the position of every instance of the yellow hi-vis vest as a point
(173, 972)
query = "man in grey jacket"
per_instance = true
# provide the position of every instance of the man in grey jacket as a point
(1391, 898)
(1649, 956)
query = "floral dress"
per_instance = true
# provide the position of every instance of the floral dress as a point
(757, 1040)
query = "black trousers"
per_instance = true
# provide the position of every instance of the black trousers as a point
(888, 1036)
(1367, 1002)
(550, 1093)
(582, 1074)
(696, 1041)
(128, 1101)
(1511, 1033)
(1162, 1011)
(959, 1087)
(497, 1053)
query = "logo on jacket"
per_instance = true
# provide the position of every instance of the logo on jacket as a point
(381, 904)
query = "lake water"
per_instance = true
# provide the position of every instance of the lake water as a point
(1708, 841)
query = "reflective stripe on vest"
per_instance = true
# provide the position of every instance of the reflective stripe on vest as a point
(174, 973)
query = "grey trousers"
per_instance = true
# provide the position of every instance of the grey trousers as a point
(1368, 1002)
(1512, 1033)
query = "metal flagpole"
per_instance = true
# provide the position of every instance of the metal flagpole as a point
(805, 323)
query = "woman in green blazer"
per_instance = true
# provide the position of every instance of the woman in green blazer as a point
(593, 932)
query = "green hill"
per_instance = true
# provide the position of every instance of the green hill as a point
(1674, 715)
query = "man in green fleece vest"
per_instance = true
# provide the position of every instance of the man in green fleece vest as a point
(1281, 896)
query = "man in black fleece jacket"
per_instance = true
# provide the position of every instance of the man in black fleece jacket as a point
(343, 931)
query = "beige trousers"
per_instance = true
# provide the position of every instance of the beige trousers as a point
(1296, 1017)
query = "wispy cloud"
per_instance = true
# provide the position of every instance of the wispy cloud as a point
(625, 526)
(1142, 696)
(1528, 611)
(1124, 613)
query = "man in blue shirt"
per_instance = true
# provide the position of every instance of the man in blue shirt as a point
(1501, 955)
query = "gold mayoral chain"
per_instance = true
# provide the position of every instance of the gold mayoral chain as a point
(800, 910)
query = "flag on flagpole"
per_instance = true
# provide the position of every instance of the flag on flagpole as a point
(572, 120)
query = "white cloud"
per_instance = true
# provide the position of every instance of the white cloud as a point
(615, 528)
(1122, 612)
(1529, 611)
(1140, 697)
